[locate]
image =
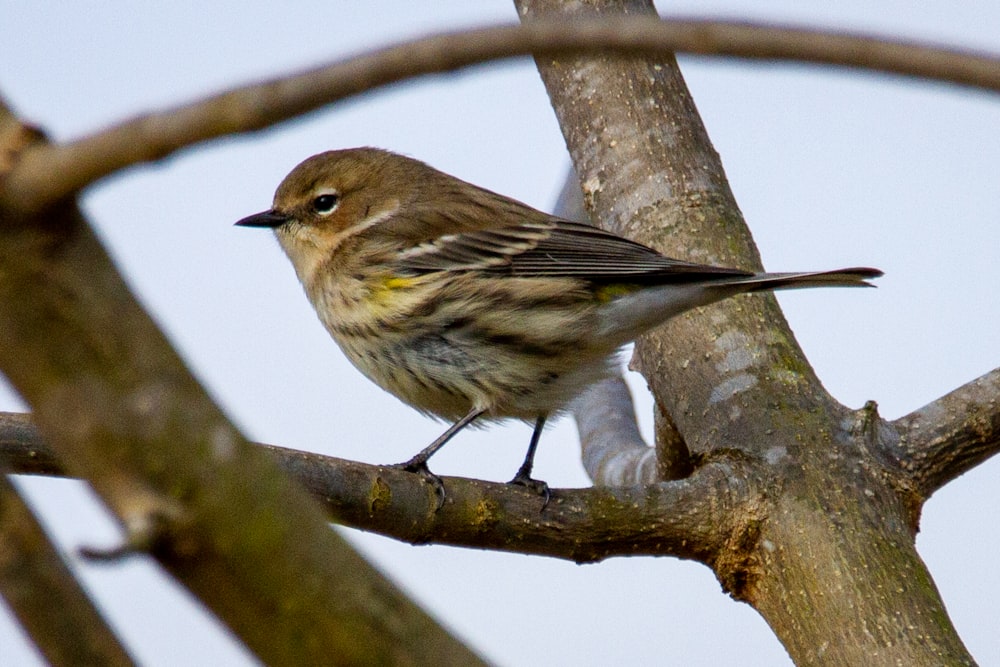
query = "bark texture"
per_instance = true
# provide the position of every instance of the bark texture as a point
(829, 558)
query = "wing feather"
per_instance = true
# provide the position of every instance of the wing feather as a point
(555, 248)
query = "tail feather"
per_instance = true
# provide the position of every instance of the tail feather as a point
(852, 277)
(623, 319)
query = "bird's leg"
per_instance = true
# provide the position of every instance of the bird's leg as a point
(523, 476)
(418, 463)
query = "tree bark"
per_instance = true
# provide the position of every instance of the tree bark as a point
(829, 558)
(688, 518)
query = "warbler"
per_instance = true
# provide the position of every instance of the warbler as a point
(468, 305)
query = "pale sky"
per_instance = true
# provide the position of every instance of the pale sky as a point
(830, 168)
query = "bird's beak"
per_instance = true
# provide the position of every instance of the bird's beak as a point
(271, 219)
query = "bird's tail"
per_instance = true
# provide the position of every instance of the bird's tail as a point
(857, 276)
(623, 319)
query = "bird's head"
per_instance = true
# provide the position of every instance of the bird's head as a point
(335, 196)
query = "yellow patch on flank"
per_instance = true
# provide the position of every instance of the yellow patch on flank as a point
(612, 292)
(383, 291)
(397, 282)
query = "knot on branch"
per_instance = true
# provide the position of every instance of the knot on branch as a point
(880, 445)
(737, 563)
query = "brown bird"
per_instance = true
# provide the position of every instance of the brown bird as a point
(468, 305)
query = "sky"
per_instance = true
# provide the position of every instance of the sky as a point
(830, 168)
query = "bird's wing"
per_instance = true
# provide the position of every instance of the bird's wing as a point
(554, 248)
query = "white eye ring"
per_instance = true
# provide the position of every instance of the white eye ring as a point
(326, 203)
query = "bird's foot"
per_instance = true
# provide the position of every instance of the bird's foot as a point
(537, 486)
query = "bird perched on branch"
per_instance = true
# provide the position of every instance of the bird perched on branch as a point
(468, 305)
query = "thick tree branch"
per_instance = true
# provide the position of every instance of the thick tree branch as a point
(833, 550)
(122, 411)
(955, 433)
(692, 518)
(41, 591)
(51, 173)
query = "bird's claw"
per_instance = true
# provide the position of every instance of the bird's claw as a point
(536, 486)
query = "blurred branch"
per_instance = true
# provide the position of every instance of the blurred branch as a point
(48, 174)
(22, 450)
(120, 409)
(41, 591)
(951, 435)
(613, 451)
(692, 518)
(15, 137)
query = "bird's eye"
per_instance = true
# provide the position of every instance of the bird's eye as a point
(326, 204)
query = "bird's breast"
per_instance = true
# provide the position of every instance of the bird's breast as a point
(444, 343)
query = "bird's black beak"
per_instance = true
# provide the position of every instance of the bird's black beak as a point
(271, 219)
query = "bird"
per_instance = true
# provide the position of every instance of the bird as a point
(471, 306)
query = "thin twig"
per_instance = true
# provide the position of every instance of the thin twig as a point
(50, 173)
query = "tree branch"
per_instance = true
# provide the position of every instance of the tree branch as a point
(832, 547)
(951, 435)
(41, 591)
(22, 450)
(51, 173)
(613, 451)
(691, 519)
(121, 410)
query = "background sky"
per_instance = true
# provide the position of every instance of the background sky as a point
(830, 168)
